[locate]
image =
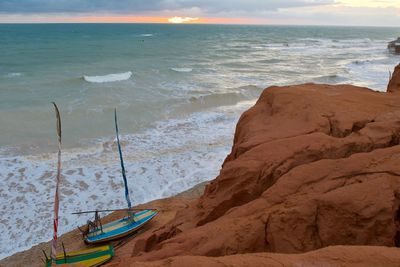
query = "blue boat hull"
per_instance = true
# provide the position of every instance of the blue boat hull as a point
(120, 228)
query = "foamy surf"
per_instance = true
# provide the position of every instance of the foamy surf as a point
(113, 77)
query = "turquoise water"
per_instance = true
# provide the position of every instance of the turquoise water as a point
(179, 91)
(46, 62)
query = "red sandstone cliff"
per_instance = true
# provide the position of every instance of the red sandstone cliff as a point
(311, 166)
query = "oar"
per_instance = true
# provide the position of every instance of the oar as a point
(94, 211)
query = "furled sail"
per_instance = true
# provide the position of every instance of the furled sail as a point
(128, 200)
(56, 198)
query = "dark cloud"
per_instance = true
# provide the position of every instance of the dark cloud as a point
(138, 6)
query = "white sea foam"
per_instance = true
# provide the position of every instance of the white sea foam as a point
(166, 159)
(182, 69)
(146, 34)
(114, 77)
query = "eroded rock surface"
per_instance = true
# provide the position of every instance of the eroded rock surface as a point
(311, 166)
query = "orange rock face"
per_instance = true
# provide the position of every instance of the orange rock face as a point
(311, 166)
(394, 83)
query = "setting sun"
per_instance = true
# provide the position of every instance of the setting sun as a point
(182, 19)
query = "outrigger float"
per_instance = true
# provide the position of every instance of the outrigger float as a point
(88, 257)
(96, 232)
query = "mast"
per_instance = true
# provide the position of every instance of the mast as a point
(56, 197)
(128, 200)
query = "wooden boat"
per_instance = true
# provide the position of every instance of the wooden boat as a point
(96, 232)
(88, 257)
(120, 228)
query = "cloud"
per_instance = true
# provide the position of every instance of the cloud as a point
(320, 12)
(340, 15)
(138, 6)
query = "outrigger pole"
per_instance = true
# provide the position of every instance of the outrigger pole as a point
(94, 211)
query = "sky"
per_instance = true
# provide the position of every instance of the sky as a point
(283, 12)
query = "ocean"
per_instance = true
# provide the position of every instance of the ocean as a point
(179, 91)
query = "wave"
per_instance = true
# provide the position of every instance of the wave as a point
(182, 69)
(146, 34)
(13, 74)
(113, 77)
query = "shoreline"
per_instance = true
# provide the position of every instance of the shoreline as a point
(73, 241)
(189, 152)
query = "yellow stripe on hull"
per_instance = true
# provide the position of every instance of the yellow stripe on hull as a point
(91, 257)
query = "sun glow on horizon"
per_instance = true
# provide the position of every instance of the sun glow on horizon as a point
(182, 19)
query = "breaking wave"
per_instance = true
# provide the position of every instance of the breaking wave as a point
(113, 77)
(182, 69)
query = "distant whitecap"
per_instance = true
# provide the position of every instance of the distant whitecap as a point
(13, 74)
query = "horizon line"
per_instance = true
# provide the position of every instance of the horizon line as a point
(203, 23)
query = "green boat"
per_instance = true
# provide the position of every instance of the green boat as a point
(87, 257)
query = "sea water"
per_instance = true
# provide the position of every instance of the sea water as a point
(179, 91)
